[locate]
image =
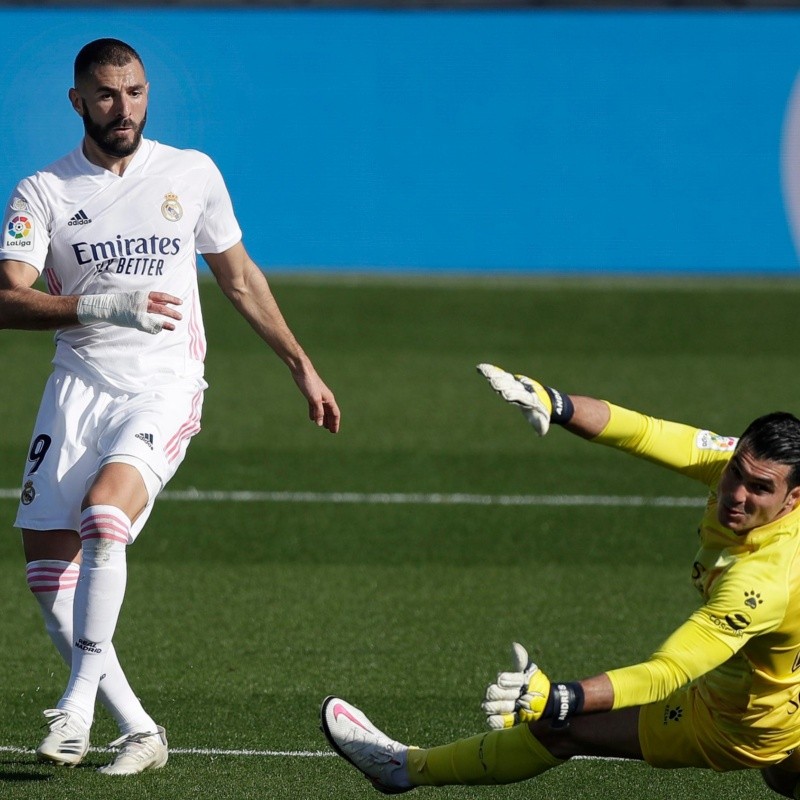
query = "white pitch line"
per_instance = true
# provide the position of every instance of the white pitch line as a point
(200, 751)
(215, 751)
(398, 498)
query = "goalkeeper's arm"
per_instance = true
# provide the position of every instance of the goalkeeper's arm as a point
(668, 444)
(542, 405)
(527, 695)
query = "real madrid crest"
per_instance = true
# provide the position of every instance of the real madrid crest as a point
(171, 208)
(28, 493)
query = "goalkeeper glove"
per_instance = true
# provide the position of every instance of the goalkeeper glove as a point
(540, 404)
(526, 695)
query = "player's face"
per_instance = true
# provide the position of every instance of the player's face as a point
(753, 492)
(113, 105)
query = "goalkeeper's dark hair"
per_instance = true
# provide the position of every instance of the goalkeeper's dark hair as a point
(775, 437)
(103, 53)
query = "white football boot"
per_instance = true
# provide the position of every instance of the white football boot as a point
(380, 759)
(138, 752)
(68, 740)
(525, 393)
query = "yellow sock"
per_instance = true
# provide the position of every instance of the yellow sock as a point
(505, 756)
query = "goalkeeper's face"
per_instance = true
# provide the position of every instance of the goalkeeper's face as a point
(753, 492)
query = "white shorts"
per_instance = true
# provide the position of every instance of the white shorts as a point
(81, 427)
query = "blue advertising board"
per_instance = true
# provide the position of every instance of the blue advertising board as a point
(515, 141)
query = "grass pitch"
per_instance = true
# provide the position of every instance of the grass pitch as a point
(241, 617)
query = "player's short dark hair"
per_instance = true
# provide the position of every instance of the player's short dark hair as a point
(102, 53)
(775, 437)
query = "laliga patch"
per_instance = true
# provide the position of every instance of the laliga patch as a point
(705, 440)
(19, 232)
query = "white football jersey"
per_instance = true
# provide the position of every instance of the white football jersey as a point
(89, 231)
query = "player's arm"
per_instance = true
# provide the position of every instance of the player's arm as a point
(24, 308)
(247, 288)
(590, 417)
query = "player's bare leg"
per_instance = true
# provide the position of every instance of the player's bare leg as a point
(614, 734)
(784, 778)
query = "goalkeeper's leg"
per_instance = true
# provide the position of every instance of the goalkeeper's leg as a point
(784, 778)
(506, 756)
(501, 756)
(525, 751)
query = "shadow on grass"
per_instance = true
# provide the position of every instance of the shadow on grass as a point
(28, 771)
(22, 776)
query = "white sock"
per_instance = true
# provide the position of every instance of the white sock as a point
(98, 600)
(53, 585)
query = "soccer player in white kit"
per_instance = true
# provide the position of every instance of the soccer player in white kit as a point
(113, 228)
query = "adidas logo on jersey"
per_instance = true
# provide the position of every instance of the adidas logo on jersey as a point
(79, 219)
(147, 438)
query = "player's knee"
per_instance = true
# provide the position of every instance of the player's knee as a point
(121, 485)
(557, 741)
(781, 781)
(615, 734)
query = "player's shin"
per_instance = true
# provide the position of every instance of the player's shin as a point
(98, 600)
(53, 585)
(503, 756)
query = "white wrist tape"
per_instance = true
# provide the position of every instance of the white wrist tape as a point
(126, 309)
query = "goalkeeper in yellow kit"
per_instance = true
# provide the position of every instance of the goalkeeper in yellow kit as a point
(722, 692)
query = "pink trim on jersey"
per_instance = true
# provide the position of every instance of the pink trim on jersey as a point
(51, 579)
(197, 345)
(52, 281)
(105, 526)
(189, 428)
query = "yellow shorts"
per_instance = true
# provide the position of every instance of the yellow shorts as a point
(681, 732)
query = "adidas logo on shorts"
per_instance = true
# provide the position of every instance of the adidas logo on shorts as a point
(147, 438)
(79, 219)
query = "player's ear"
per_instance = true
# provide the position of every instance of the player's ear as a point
(793, 498)
(76, 101)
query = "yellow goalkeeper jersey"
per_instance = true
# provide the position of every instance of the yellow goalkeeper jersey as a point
(742, 646)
